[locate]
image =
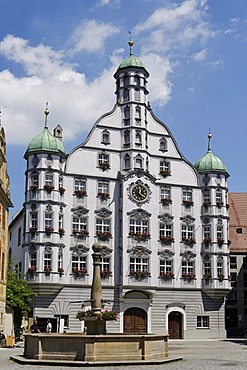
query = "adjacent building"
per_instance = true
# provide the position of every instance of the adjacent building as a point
(236, 303)
(162, 222)
(5, 203)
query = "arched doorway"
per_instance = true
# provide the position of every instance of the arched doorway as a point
(135, 321)
(175, 325)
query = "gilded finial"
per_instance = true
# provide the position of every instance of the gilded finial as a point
(131, 43)
(46, 112)
(209, 140)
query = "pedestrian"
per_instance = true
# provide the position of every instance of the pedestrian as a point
(34, 327)
(48, 326)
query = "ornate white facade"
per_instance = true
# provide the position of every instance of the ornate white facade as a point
(163, 222)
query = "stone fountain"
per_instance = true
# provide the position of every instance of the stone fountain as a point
(94, 345)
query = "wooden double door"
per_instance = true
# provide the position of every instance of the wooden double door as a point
(135, 321)
(175, 325)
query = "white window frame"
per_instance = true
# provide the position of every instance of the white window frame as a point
(139, 264)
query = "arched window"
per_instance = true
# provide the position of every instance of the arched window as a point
(126, 95)
(105, 137)
(137, 95)
(127, 116)
(126, 161)
(136, 80)
(138, 137)
(126, 80)
(138, 162)
(163, 145)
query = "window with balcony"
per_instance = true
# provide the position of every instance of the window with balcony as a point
(165, 168)
(103, 228)
(103, 161)
(166, 269)
(139, 228)
(188, 234)
(187, 199)
(188, 269)
(165, 231)
(79, 264)
(34, 181)
(79, 226)
(139, 267)
(80, 187)
(48, 182)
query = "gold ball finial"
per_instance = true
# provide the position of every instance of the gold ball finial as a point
(131, 43)
(46, 110)
(209, 136)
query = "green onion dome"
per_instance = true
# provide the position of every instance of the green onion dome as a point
(131, 61)
(210, 162)
(45, 141)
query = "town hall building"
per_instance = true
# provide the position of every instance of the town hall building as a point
(162, 222)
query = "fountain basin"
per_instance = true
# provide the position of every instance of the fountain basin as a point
(81, 347)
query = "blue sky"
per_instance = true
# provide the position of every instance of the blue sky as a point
(65, 52)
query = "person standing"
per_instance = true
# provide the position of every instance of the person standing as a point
(48, 326)
(34, 327)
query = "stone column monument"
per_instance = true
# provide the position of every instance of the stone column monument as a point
(94, 324)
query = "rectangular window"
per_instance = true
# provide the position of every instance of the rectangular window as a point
(187, 232)
(219, 232)
(34, 219)
(34, 181)
(79, 224)
(219, 268)
(218, 197)
(187, 196)
(207, 232)
(165, 193)
(207, 269)
(49, 179)
(233, 262)
(165, 267)
(165, 230)
(202, 322)
(19, 236)
(105, 264)
(103, 159)
(80, 185)
(47, 262)
(60, 222)
(79, 263)
(60, 261)
(206, 198)
(138, 264)
(137, 226)
(102, 225)
(188, 267)
(103, 187)
(33, 261)
(48, 220)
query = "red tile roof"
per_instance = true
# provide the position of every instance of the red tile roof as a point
(238, 222)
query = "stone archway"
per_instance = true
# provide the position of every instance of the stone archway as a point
(135, 321)
(175, 325)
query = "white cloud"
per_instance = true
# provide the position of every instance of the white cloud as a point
(90, 36)
(176, 26)
(73, 102)
(200, 56)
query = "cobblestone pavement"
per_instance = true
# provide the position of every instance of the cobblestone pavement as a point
(197, 355)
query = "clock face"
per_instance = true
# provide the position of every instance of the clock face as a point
(139, 193)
